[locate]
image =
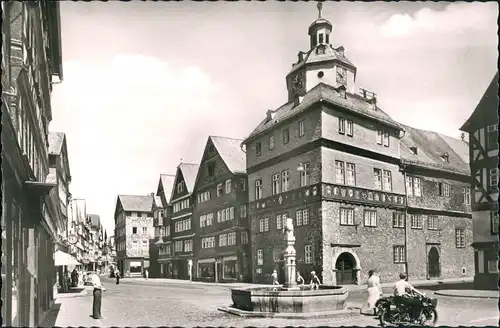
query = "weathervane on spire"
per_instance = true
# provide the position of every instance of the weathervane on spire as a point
(320, 6)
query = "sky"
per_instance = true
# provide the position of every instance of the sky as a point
(146, 83)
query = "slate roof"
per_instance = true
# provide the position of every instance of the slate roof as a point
(189, 172)
(431, 146)
(331, 53)
(157, 202)
(231, 153)
(486, 108)
(136, 203)
(56, 140)
(327, 93)
(95, 220)
(167, 181)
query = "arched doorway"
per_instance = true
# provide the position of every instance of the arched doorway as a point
(434, 266)
(345, 269)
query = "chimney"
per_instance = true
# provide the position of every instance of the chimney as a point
(269, 115)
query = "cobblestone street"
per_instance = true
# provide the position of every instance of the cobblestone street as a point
(149, 303)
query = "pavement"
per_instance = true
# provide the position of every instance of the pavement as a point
(469, 293)
(140, 302)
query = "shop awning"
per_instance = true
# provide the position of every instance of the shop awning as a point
(61, 258)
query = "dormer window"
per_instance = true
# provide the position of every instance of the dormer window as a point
(414, 150)
(445, 158)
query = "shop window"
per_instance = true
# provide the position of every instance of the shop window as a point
(230, 269)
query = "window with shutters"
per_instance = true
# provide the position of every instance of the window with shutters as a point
(444, 189)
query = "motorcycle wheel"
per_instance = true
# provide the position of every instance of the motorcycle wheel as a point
(429, 322)
(382, 313)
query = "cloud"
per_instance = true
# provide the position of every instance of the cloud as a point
(454, 19)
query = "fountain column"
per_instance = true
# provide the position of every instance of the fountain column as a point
(290, 257)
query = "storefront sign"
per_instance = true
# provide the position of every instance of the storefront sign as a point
(72, 239)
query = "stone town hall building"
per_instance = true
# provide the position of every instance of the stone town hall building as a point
(365, 192)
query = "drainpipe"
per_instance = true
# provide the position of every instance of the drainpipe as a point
(405, 224)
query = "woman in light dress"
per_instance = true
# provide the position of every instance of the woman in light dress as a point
(374, 290)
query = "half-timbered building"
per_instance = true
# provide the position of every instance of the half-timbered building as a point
(221, 226)
(482, 128)
(162, 246)
(331, 159)
(179, 245)
(31, 63)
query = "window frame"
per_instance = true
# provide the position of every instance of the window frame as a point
(467, 196)
(342, 125)
(401, 254)
(302, 131)
(346, 210)
(494, 223)
(286, 135)
(372, 216)
(444, 189)
(258, 148)
(260, 256)
(418, 219)
(387, 185)
(258, 189)
(377, 177)
(275, 184)
(228, 186)
(435, 222)
(460, 238)
(398, 220)
(339, 166)
(493, 179)
(304, 175)
(353, 171)
(285, 177)
(349, 128)
(308, 254)
(271, 142)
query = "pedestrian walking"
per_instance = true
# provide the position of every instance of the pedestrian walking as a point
(275, 277)
(146, 273)
(117, 276)
(300, 279)
(315, 283)
(374, 291)
(96, 304)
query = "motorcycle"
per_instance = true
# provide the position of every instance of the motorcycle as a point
(391, 311)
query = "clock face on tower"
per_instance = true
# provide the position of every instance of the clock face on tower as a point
(297, 82)
(341, 75)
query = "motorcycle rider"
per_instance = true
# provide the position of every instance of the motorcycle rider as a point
(403, 292)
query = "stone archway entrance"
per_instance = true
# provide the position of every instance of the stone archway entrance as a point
(434, 265)
(345, 269)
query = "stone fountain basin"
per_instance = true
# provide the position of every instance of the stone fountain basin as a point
(276, 299)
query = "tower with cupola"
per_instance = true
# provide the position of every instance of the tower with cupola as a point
(321, 63)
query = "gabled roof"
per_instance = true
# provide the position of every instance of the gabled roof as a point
(486, 109)
(189, 172)
(157, 202)
(56, 140)
(323, 92)
(166, 183)
(136, 203)
(231, 153)
(431, 146)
